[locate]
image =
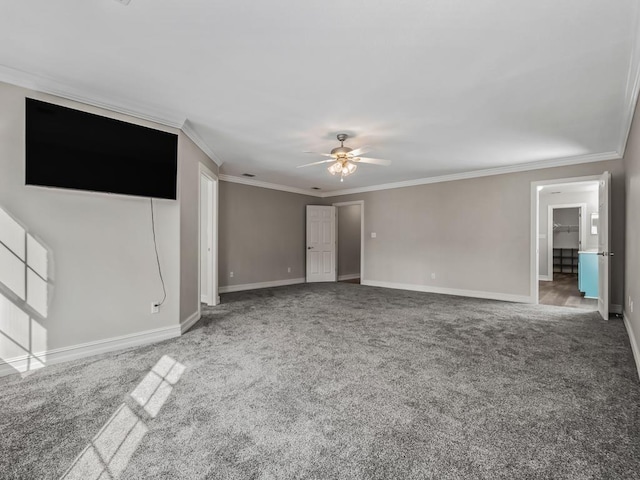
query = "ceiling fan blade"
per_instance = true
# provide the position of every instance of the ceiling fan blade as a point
(360, 151)
(373, 161)
(323, 154)
(316, 163)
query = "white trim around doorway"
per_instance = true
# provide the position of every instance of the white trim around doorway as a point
(534, 250)
(211, 296)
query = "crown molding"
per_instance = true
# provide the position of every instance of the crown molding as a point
(188, 129)
(523, 167)
(632, 89)
(40, 83)
(43, 84)
(271, 186)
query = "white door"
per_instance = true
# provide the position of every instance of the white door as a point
(604, 236)
(321, 244)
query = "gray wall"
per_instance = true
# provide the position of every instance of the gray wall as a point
(189, 177)
(348, 240)
(261, 233)
(632, 259)
(93, 252)
(590, 198)
(473, 234)
(101, 263)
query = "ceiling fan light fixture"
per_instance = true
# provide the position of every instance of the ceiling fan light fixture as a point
(343, 159)
(335, 168)
(342, 167)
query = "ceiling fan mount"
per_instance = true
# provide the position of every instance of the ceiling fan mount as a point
(341, 151)
(343, 159)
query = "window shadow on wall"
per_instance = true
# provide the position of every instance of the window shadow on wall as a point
(26, 288)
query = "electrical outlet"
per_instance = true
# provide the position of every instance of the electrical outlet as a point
(288, 269)
(155, 307)
(433, 276)
(373, 235)
(231, 274)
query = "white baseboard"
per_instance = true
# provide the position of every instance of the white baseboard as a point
(255, 286)
(505, 297)
(349, 276)
(22, 364)
(189, 322)
(204, 299)
(634, 344)
(613, 308)
(545, 278)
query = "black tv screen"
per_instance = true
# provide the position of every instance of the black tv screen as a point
(67, 148)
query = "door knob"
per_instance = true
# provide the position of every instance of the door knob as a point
(309, 248)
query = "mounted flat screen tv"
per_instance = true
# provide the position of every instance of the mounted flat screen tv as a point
(67, 148)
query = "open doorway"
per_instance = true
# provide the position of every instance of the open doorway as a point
(567, 246)
(350, 240)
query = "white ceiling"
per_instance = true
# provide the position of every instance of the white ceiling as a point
(437, 86)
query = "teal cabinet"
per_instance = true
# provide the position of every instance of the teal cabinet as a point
(588, 274)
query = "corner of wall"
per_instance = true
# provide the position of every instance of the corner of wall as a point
(633, 342)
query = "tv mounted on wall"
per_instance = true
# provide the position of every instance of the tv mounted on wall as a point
(67, 148)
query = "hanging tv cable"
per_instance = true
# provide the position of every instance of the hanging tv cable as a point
(155, 245)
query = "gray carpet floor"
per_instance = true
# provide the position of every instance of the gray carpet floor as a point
(340, 381)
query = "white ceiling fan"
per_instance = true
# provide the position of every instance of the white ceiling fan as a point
(344, 159)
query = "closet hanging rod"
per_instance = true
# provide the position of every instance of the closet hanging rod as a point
(558, 226)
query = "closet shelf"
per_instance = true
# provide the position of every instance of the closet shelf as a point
(565, 260)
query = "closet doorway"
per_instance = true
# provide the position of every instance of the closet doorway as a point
(565, 238)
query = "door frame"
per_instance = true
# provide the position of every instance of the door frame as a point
(534, 249)
(582, 231)
(361, 203)
(211, 296)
